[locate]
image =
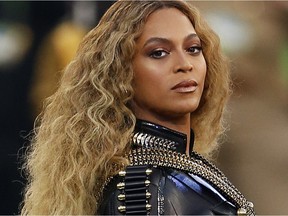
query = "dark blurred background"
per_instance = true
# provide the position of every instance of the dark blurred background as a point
(39, 38)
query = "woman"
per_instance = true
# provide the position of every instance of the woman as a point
(116, 137)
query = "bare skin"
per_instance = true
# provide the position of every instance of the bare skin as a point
(170, 71)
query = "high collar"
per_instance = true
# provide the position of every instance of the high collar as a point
(145, 129)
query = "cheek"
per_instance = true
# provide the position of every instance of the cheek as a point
(147, 76)
(202, 71)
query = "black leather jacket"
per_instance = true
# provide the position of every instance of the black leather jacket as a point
(160, 185)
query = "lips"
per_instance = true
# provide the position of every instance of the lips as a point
(186, 86)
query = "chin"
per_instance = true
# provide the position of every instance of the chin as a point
(178, 112)
(188, 108)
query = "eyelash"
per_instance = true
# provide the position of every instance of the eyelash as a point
(198, 48)
(154, 53)
(191, 50)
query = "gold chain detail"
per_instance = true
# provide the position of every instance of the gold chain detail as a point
(195, 164)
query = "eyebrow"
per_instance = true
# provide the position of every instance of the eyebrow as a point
(191, 36)
(165, 40)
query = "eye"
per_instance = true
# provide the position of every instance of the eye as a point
(157, 54)
(194, 50)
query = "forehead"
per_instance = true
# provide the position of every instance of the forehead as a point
(167, 21)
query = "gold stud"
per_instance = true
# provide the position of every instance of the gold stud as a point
(121, 197)
(148, 195)
(148, 206)
(121, 185)
(148, 171)
(122, 173)
(241, 211)
(147, 182)
(250, 204)
(121, 209)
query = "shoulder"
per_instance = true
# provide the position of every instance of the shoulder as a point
(131, 191)
(160, 190)
(127, 192)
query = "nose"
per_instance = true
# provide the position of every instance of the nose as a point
(183, 63)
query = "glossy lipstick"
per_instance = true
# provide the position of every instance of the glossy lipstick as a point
(186, 86)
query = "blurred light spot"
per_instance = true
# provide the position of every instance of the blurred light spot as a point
(15, 41)
(235, 34)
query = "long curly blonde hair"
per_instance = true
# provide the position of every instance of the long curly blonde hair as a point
(83, 134)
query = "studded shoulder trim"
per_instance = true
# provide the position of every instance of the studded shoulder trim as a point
(195, 164)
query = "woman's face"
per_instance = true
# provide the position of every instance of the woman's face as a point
(169, 67)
